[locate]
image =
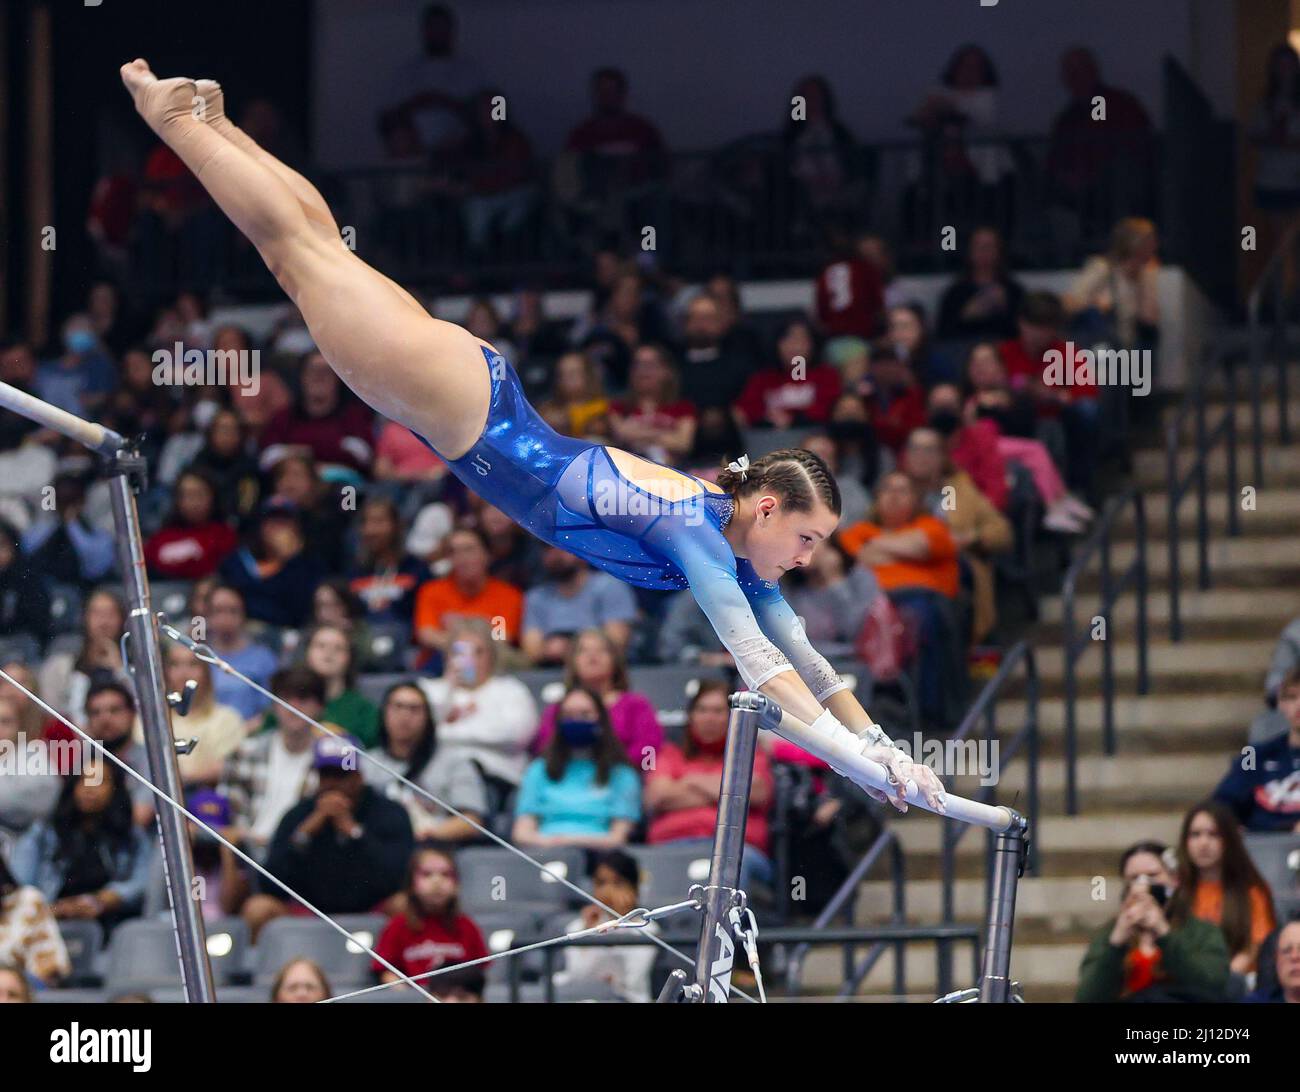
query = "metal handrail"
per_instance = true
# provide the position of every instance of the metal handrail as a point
(1196, 473)
(841, 904)
(1271, 282)
(1073, 644)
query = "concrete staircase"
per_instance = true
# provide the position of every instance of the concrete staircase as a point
(1173, 744)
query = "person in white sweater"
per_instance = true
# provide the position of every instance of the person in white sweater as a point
(488, 718)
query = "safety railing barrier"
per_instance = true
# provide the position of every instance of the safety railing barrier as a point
(1195, 475)
(1076, 642)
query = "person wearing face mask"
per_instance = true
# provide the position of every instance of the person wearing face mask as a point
(598, 663)
(81, 378)
(681, 792)
(580, 791)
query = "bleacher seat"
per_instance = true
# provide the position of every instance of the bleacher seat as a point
(84, 941)
(670, 686)
(495, 879)
(142, 953)
(22, 647)
(172, 597)
(546, 684)
(759, 441)
(285, 939)
(65, 608)
(1271, 852)
(71, 997)
(668, 871)
(374, 686)
(386, 647)
(226, 995)
(502, 929)
(394, 995)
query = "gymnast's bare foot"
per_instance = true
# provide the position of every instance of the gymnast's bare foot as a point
(158, 101)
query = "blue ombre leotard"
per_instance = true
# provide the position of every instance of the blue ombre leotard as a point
(568, 492)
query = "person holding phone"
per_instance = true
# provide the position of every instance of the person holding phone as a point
(1149, 951)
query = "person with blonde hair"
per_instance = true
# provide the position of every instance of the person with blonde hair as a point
(1120, 290)
(485, 717)
(218, 728)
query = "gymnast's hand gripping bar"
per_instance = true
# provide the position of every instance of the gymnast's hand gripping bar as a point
(858, 769)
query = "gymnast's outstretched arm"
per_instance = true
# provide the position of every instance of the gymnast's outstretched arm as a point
(767, 668)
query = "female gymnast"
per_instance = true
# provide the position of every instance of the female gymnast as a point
(645, 523)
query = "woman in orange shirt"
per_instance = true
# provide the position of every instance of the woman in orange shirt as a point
(1218, 883)
(905, 547)
(914, 557)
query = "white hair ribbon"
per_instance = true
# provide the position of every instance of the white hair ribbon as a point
(739, 466)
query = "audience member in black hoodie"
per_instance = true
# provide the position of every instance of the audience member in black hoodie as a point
(24, 597)
(1263, 786)
(344, 850)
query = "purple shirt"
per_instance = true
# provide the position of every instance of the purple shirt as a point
(633, 719)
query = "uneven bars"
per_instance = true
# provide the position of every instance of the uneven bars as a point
(857, 768)
(94, 436)
(125, 468)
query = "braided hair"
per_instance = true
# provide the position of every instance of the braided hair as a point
(799, 476)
